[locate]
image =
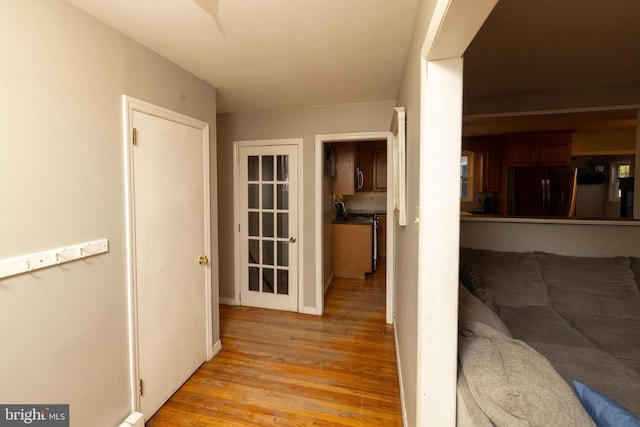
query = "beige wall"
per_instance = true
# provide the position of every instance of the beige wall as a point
(303, 123)
(64, 329)
(577, 238)
(589, 143)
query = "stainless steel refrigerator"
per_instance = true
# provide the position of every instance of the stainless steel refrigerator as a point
(540, 191)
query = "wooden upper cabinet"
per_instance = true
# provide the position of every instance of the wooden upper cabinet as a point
(360, 166)
(380, 170)
(555, 153)
(539, 149)
(371, 166)
(488, 151)
(344, 180)
(491, 168)
(364, 172)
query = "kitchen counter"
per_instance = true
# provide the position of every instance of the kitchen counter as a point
(352, 249)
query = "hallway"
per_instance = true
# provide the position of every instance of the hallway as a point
(290, 369)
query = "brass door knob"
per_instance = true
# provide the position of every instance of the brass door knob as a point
(203, 260)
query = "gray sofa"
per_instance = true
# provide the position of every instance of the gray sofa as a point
(556, 319)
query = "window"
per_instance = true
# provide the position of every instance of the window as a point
(466, 176)
(620, 169)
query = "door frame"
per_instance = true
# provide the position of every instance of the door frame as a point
(319, 223)
(129, 105)
(298, 143)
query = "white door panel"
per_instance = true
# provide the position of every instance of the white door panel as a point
(169, 235)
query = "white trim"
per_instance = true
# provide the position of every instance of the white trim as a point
(403, 406)
(299, 143)
(129, 105)
(135, 419)
(438, 240)
(453, 25)
(327, 283)
(310, 310)
(215, 349)
(319, 225)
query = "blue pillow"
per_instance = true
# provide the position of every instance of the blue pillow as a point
(605, 411)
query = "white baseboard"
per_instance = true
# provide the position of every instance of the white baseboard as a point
(328, 283)
(399, 369)
(310, 310)
(228, 301)
(215, 349)
(135, 419)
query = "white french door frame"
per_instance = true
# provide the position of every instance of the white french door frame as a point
(298, 143)
(129, 105)
(319, 226)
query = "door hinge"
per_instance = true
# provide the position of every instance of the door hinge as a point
(134, 136)
(141, 387)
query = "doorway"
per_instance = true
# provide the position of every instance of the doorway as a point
(321, 192)
(169, 218)
(267, 206)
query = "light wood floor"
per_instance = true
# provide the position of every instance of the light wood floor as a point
(288, 369)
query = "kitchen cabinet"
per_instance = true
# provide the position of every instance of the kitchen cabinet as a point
(539, 149)
(344, 178)
(490, 167)
(360, 166)
(371, 166)
(488, 153)
(352, 250)
(364, 168)
(382, 236)
(380, 170)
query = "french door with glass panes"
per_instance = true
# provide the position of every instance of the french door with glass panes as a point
(268, 216)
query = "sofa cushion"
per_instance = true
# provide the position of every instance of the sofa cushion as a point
(618, 336)
(605, 411)
(597, 368)
(635, 267)
(604, 286)
(514, 278)
(471, 308)
(513, 384)
(470, 277)
(542, 324)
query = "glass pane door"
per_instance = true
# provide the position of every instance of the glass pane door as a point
(268, 209)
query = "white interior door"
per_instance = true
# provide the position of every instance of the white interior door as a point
(268, 215)
(170, 198)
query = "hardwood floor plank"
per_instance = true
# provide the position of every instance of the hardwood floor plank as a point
(290, 369)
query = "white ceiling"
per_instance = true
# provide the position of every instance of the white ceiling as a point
(262, 54)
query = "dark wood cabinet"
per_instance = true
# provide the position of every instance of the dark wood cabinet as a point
(360, 166)
(364, 171)
(380, 169)
(344, 179)
(371, 166)
(491, 168)
(539, 149)
(488, 152)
